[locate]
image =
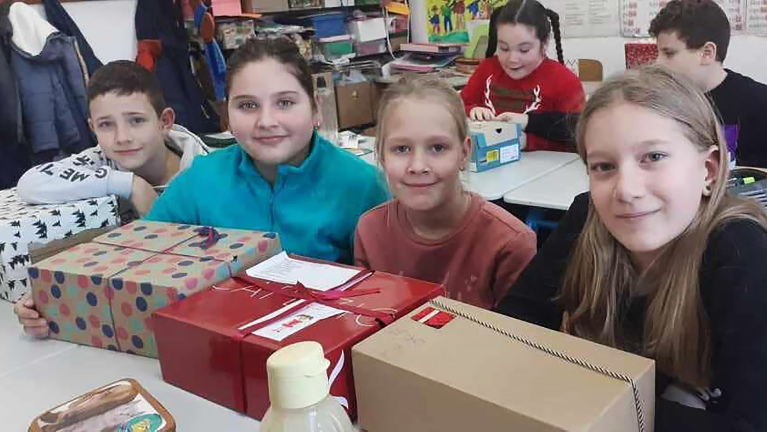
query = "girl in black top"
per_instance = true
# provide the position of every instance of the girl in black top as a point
(656, 259)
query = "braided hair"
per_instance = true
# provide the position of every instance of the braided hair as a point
(531, 13)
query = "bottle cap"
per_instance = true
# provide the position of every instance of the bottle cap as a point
(298, 375)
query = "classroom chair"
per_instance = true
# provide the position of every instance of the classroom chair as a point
(590, 70)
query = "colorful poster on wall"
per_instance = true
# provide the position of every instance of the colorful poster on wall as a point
(448, 19)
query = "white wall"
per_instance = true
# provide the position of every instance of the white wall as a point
(108, 25)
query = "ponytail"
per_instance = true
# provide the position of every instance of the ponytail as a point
(555, 27)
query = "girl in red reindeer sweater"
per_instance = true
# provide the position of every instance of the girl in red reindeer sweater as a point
(520, 84)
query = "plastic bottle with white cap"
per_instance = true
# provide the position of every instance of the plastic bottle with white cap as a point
(299, 392)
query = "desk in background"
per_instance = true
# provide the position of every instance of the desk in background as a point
(555, 190)
(495, 183)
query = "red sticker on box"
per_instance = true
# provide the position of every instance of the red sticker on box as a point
(433, 317)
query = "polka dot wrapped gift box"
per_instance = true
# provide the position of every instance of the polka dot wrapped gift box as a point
(103, 293)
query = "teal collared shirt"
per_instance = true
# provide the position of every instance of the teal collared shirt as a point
(314, 207)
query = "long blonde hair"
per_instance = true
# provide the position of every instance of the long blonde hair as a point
(601, 277)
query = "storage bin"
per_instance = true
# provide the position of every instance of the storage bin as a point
(370, 48)
(327, 25)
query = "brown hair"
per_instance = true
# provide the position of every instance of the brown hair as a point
(532, 13)
(125, 77)
(281, 49)
(695, 22)
(601, 277)
(420, 89)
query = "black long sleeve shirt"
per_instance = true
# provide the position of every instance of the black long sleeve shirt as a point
(742, 104)
(733, 288)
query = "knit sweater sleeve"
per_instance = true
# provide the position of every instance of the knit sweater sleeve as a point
(88, 174)
(473, 94)
(553, 126)
(360, 257)
(559, 123)
(734, 294)
(531, 298)
(511, 262)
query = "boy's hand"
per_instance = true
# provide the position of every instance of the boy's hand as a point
(481, 114)
(142, 195)
(34, 325)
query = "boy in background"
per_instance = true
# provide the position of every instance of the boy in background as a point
(693, 37)
(139, 150)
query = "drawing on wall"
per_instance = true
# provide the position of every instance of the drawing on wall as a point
(448, 19)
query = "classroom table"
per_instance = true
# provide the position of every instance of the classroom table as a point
(555, 190)
(495, 183)
(36, 375)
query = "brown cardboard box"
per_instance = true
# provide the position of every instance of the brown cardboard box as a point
(471, 375)
(263, 6)
(355, 104)
(39, 252)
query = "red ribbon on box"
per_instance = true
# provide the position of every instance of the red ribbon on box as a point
(300, 292)
(328, 298)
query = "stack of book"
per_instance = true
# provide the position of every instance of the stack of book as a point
(427, 57)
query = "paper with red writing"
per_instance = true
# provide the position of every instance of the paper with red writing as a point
(301, 319)
(321, 277)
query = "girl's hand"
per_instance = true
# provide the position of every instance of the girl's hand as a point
(34, 324)
(481, 114)
(516, 118)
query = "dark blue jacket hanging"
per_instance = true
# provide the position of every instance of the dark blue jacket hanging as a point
(60, 19)
(51, 85)
(162, 20)
(13, 158)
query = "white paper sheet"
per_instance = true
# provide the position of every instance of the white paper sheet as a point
(587, 18)
(297, 321)
(321, 277)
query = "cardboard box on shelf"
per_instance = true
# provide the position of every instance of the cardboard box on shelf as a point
(264, 6)
(493, 144)
(452, 367)
(368, 30)
(28, 232)
(355, 104)
(208, 345)
(103, 293)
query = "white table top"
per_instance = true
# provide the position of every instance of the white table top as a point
(495, 183)
(37, 375)
(555, 190)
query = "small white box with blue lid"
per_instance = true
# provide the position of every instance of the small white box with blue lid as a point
(493, 144)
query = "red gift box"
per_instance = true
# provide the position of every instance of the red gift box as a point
(202, 351)
(638, 54)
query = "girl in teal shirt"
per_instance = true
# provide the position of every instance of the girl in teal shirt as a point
(283, 176)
